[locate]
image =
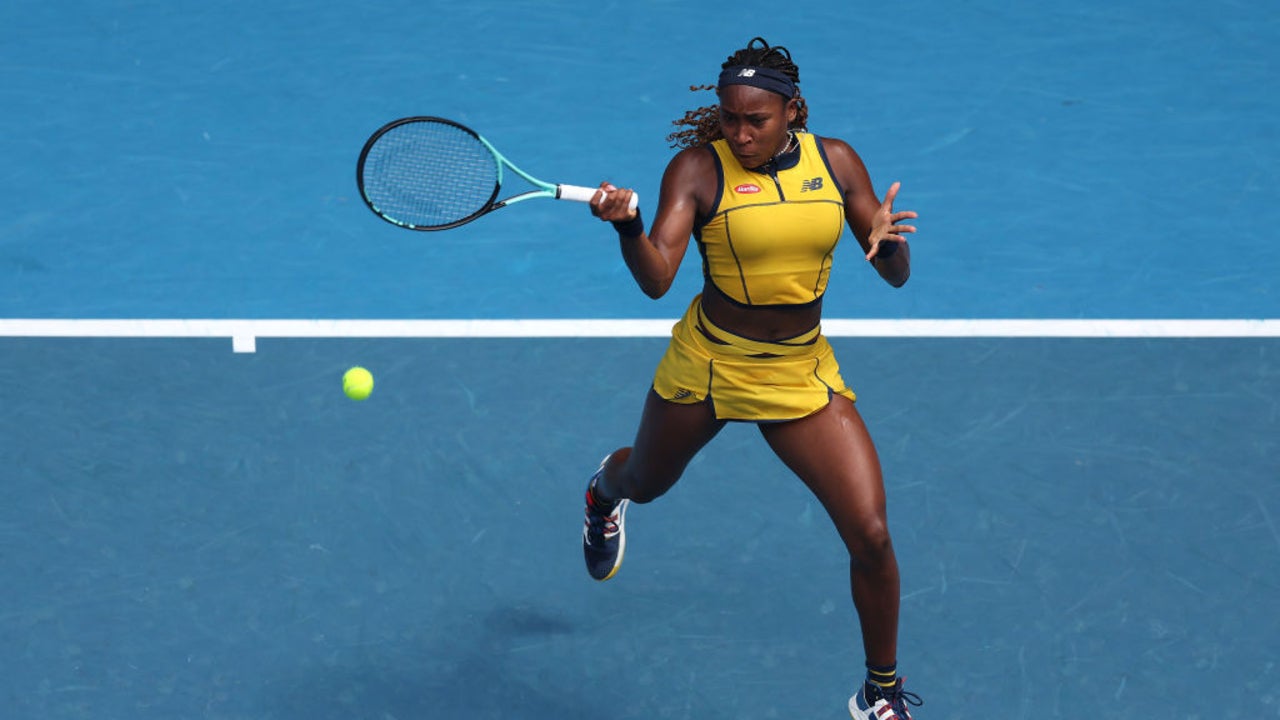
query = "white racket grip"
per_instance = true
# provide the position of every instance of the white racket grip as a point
(577, 193)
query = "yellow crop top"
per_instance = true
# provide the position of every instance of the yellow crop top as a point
(770, 235)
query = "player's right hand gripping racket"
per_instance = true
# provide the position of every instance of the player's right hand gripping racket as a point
(428, 173)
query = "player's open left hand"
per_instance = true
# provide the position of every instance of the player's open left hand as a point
(885, 225)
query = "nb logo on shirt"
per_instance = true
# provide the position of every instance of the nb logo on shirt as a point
(814, 184)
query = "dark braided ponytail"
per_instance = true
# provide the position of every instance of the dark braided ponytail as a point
(702, 125)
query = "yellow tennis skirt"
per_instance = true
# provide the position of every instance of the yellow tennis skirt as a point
(747, 379)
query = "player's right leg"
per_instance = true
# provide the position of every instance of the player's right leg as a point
(670, 435)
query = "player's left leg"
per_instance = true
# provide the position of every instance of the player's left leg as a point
(832, 452)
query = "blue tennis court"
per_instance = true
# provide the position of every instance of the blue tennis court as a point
(1085, 525)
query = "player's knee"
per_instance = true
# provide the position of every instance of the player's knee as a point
(869, 543)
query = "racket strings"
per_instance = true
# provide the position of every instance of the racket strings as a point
(428, 174)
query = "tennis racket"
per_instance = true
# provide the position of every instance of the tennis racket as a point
(428, 173)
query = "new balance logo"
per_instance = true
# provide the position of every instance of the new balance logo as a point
(747, 72)
(814, 184)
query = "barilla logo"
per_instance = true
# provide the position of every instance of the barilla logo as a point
(747, 189)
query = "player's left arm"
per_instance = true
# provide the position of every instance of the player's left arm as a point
(874, 222)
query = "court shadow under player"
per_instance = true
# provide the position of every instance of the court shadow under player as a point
(485, 666)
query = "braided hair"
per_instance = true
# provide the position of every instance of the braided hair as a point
(702, 125)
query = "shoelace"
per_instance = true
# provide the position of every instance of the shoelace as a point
(896, 697)
(899, 699)
(600, 524)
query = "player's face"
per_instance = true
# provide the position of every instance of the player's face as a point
(754, 121)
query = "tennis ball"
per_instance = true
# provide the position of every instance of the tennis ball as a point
(357, 383)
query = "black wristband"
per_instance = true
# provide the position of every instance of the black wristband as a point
(630, 228)
(887, 249)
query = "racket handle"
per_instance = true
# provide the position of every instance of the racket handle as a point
(577, 193)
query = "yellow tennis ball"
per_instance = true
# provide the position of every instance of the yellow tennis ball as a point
(357, 383)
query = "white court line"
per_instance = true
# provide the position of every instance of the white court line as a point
(244, 333)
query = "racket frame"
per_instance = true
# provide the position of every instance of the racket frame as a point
(542, 189)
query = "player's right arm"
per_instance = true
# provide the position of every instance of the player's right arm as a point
(654, 256)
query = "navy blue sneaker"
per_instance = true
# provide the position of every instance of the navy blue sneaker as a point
(873, 703)
(604, 538)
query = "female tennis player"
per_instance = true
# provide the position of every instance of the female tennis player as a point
(767, 203)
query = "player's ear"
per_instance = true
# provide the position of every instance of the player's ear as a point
(792, 110)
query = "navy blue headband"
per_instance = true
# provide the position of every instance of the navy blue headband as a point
(761, 77)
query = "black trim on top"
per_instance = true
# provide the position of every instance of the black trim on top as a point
(742, 275)
(773, 306)
(822, 153)
(701, 222)
(698, 223)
